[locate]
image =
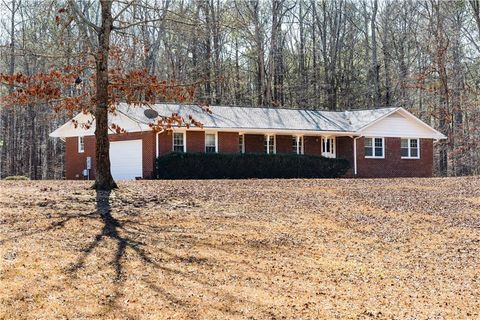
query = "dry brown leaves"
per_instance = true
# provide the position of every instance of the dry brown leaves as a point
(256, 249)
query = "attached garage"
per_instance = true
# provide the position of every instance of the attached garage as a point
(126, 159)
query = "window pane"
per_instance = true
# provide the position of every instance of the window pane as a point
(240, 143)
(414, 153)
(413, 143)
(272, 144)
(404, 152)
(368, 151)
(378, 152)
(368, 142)
(210, 140)
(178, 137)
(265, 144)
(81, 144)
(178, 142)
(294, 144)
(210, 143)
(379, 142)
(404, 143)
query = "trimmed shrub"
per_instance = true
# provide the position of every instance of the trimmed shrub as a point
(248, 165)
(16, 178)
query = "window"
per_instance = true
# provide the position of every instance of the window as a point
(410, 148)
(179, 142)
(241, 143)
(297, 144)
(374, 148)
(210, 143)
(328, 147)
(81, 144)
(269, 144)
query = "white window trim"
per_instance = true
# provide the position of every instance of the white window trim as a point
(184, 133)
(268, 143)
(300, 148)
(216, 140)
(373, 156)
(409, 148)
(242, 147)
(81, 145)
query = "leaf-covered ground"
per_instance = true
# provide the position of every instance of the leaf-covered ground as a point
(258, 249)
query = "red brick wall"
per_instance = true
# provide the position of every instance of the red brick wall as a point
(228, 142)
(75, 162)
(312, 145)
(393, 165)
(344, 150)
(165, 143)
(254, 143)
(195, 141)
(284, 144)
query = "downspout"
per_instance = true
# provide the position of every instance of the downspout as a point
(355, 156)
(156, 153)
(156, 144)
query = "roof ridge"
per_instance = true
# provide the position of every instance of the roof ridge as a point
(273, 108)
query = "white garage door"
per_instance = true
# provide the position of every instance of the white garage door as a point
(126, 159)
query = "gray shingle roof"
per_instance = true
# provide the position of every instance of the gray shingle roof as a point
(266, 118)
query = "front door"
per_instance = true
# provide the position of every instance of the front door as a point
(328, 147)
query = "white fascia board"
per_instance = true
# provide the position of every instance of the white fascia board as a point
(270, 131)
(438, 134)
(131, 125)
(68, 129)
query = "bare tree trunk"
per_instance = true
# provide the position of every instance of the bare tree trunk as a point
(208, 51)
(260, 54)
(8, 156)
(237, 74)
(314, 58)
(476, 12)
(375, 66)
(302, 72)
(457, 72)
(215, 10)
(440, 56)
(387, 59)
(103, 176)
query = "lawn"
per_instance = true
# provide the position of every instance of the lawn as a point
(257, 249)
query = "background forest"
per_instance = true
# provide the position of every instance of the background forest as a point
(335, 55)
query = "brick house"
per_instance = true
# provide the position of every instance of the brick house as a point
(388, 142)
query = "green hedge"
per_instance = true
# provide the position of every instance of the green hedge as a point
(249, 165)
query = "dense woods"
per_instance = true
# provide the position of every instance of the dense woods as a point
(336, 55)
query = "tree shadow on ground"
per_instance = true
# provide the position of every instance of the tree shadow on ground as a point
(123, 232)
(121, 223)
(111, 227)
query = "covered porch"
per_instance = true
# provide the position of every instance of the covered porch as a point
(326, 144)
